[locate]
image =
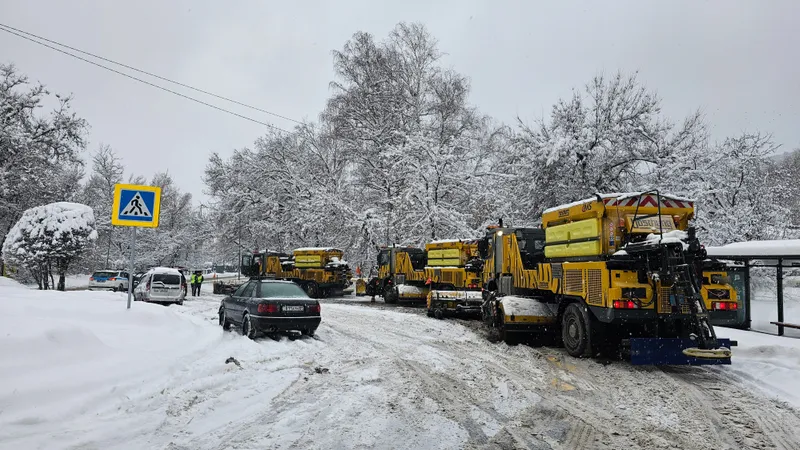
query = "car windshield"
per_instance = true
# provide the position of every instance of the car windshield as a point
(103, 274)
(281, 290)
(166, 278)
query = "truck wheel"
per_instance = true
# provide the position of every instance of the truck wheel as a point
(576, 331)
(312, 290)
(438, 313)
(389, 295)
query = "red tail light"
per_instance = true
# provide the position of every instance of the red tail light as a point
(724, 306)
(91, 278)
(624, 304)
(316, 309)
(148, 285)
(112, 279)
(269, 308)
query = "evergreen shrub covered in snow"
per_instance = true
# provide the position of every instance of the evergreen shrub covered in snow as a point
(50, 237)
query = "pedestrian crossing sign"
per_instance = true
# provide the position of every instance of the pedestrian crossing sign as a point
(136, 205)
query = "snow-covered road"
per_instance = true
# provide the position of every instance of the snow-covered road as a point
(375, 376)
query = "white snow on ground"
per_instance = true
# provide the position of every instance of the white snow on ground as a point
(770, 363)
(764, 306)
(8, 282)
(86, 373)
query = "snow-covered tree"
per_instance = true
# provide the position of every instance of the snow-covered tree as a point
(737, 198)
(608, 138)
(173, 242)
(414, 141)
(39, 155)
(98, 192)
(48, 238)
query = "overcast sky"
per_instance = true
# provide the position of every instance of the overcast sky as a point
(737, 60)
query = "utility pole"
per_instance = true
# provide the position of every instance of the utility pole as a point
(239, 262)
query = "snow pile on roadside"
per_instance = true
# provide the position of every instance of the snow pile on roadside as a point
(10, 282)
(72, 363)
(771, 363)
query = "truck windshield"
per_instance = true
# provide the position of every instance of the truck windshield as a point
(383, 258)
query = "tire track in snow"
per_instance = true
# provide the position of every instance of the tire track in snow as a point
(417, 362)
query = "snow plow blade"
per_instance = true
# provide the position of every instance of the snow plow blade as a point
(677, 352)
(455, 302)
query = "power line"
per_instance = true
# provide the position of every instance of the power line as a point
(2, 27)
(151, 74)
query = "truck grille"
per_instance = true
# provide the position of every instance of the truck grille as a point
(574, 281)
(595, 295)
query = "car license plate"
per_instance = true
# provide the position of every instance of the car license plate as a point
(299, 308)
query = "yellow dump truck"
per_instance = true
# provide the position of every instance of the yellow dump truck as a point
(401, 275)
(320, 271)
(454, 275)
(616, 273)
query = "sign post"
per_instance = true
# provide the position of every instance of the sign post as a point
(135, 206)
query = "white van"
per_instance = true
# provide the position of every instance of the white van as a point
(161, 285)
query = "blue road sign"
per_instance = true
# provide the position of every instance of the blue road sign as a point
(136, 205)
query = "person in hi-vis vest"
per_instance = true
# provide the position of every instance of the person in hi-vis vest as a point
(197, 282)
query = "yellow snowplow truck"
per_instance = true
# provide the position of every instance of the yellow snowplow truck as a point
(614, 274)
(321, 272)
(454, 276)
(719, 296)
(401, 275)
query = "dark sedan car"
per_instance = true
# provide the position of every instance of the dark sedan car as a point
(268, 306)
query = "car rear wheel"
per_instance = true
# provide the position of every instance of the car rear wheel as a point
(121, 288)
(223, 320)
(247, 327)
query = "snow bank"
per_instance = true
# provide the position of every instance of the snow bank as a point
(787, 247)
(69, 360)
(770, 363)
(10, 283)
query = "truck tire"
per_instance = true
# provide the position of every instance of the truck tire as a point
(312, 289)
(576, 331)
(389, 295)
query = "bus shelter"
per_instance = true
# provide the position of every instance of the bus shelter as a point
(743, 256)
